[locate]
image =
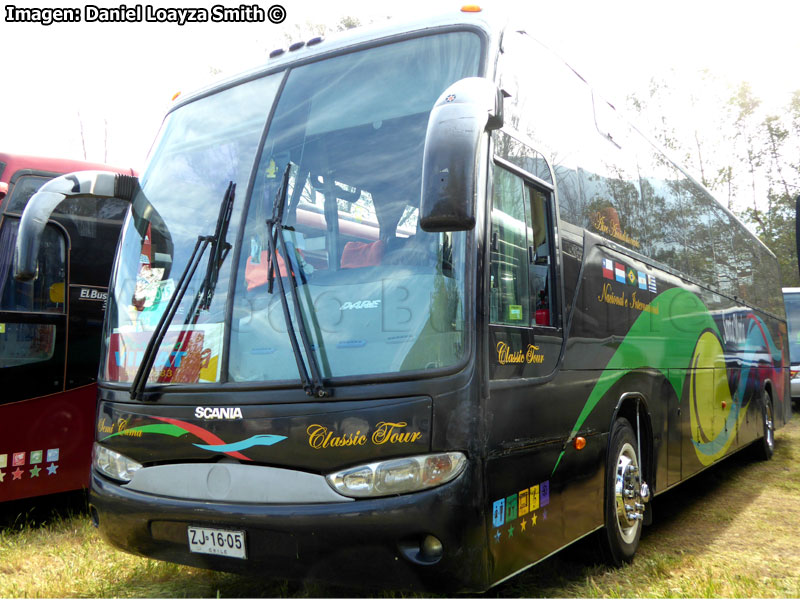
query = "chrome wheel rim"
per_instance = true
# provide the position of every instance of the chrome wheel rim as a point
(626, 493)
(769, 426)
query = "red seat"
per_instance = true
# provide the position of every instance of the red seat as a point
(257, 274)
(362, 254)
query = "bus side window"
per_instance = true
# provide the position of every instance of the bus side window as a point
(540, 258)
(46, 293)
(509, 290)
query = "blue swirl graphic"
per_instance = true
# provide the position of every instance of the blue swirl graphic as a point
(754, 342)
(256, 440)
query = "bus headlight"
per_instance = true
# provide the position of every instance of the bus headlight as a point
(398, 476)
(113, 464)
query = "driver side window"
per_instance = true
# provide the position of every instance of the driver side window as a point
(521, 281)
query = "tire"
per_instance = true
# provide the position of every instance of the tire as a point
(765, 447)
(619, 539)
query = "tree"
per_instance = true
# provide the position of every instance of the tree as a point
(741, 149)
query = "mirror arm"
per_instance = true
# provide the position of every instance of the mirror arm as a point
(98, 184)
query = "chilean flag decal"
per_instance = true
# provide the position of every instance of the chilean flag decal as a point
(608, 268)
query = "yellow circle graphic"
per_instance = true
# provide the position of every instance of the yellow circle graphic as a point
(711, 401)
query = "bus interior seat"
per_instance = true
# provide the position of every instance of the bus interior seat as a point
(362, 254)
(256, 274)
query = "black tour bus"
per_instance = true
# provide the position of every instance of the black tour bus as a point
(415, 308)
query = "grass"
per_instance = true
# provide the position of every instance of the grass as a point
(727, 533)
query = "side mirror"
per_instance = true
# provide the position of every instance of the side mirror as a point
(98, 184)
(450, 160)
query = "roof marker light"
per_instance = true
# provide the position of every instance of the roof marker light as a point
(471, 8)
(175, 96)
(296, 46)
(314, 41)
(276, 52)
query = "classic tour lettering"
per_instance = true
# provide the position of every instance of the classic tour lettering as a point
(321, 437)
(506, 357)
(386, 433)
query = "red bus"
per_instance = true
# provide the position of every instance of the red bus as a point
(50, 331)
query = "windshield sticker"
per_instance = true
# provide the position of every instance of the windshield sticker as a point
(272, 169)
(187, 354)
(175, 428)
(148, 286)
(385, 433)
(360, 305)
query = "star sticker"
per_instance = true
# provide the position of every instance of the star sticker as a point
(497, 535)
(533, 520)
(51, 470)
(2, 476)
(511, 531)
(35, 472)
(524, 523)
(17, 474)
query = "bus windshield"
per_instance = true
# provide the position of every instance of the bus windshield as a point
(377, 295)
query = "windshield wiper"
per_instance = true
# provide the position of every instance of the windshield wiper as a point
(219, 251)
(312, 384)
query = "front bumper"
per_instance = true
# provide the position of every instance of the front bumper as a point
(372, 543)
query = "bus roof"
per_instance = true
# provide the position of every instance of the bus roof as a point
(11, 163)
(491, 22)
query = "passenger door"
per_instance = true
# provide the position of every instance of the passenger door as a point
(525, 331)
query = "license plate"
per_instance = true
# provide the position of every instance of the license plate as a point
(221, 542)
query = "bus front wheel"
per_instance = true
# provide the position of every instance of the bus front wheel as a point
(625, 495)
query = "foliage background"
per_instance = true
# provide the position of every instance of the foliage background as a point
(746, 154)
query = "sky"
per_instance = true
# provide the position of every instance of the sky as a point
(103, 88)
